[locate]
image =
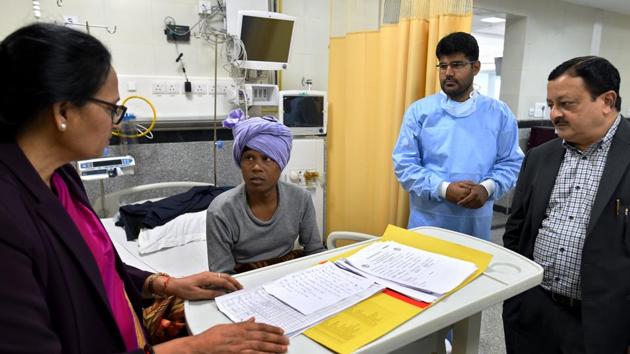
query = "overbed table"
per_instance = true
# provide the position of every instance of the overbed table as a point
(508, 274)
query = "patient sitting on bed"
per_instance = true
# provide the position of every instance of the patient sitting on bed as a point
(256, 223)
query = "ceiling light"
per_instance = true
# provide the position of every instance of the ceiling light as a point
(493, 19)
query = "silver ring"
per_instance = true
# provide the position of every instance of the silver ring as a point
(220, 275)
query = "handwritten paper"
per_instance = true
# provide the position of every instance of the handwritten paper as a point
(318, 287)
(256, 302)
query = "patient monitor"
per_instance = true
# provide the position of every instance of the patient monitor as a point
(304, 112)
(267, 38)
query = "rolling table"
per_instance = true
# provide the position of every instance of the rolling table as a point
(508, 274)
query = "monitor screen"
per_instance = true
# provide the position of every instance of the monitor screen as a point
(266, 39)
(303, 111)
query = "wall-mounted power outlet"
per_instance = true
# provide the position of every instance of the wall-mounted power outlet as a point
(173, 87)
(222, 87)
(539, 109)
(199, 88)
(158, 87)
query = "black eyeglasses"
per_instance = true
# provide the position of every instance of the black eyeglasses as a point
(117, 111)
(455, 65)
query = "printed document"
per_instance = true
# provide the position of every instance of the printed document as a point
(412, 267)
(412, 293)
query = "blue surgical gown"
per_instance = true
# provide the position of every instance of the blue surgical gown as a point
(434, 147)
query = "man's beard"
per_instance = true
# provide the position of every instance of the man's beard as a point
(457, 91)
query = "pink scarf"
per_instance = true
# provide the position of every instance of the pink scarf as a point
(99, 243)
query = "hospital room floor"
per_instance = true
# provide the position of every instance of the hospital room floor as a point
(492, 339)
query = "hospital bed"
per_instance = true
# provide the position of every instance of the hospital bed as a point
(179, 261)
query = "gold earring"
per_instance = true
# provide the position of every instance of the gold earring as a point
(62, 127)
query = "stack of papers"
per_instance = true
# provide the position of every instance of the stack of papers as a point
(419, 274)
(299, 300)
(348, 331)
(303, 299)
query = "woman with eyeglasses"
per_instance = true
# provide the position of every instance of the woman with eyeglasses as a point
(63, 287)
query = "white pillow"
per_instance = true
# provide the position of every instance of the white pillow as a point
(183, 229)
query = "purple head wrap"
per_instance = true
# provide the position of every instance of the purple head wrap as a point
(265, 135)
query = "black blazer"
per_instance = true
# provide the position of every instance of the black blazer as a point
(52, 298)
(606, 253)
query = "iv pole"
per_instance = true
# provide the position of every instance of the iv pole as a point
(214, 123)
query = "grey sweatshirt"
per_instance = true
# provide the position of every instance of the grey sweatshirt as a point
(235, 235)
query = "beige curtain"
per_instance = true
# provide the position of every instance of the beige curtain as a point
(382, 58)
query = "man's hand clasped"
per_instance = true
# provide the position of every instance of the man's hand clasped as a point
(467, 194)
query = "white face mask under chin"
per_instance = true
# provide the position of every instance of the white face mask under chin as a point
(460, 109)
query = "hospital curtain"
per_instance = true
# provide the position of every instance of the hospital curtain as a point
(382, 58)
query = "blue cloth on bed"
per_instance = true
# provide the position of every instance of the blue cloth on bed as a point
(135, 217)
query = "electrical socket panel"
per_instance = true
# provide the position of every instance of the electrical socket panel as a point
(158, 87)
(205, 7)
(222, 87)
(199, 88)
(173, 87)
(539, 109)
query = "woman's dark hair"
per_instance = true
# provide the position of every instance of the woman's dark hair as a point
(458, 42)
(42, 64)
(598, 74)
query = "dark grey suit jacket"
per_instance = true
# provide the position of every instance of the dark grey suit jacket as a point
(606, 253)
(52, 298)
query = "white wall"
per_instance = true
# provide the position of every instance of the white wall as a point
(615, 46)
(141, 53)
(310, 46)
(490, 47)
(308, 155)
(349, 16)
(540, 34)
(139, 46)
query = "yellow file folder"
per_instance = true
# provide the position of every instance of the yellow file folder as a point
(380, 314)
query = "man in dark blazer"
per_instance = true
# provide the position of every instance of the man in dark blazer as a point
(571, 215)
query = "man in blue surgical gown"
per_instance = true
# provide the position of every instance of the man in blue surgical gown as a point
(457, 150)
